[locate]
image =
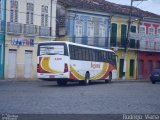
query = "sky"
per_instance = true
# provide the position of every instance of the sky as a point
(147, 5)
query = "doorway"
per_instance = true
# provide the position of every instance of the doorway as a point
(121, 68)
(28, 64)
(12, 63)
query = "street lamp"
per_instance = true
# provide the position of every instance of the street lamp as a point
(129, 22)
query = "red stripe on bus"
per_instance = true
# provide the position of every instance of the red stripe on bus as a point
(72, 76)
(107, 73)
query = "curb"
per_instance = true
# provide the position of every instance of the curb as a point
(38, 80)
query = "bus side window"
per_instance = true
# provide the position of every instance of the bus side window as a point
(90, 55)
(106, 56)
(72, 53)
(83, 54)
(109, 56)
(97, 55)
(101, 56)
(80, 54)
(76, 53)
(87, 55)
(93, 55)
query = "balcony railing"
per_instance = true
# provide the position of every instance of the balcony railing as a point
(30, 30)
(14, 28)
(92, 41)
(150, 45)
(138, 45)
(44, 31)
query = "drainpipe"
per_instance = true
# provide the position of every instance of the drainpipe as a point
(4, 25)
(51, 19)
(109, 31)
(139, 22)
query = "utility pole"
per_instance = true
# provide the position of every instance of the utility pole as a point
(129, 26)
(129, 23)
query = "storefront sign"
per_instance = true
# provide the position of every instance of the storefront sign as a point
(138, 36)
(22, 41)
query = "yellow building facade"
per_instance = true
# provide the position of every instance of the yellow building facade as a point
(28, 22)
(127, 60)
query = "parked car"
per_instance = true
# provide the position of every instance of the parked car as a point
(155, 76)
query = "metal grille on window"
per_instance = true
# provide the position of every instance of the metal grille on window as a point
(159, 31)
(44, 16)
(30, 13)
(14, 11)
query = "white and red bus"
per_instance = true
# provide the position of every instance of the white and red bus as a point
(67, 61)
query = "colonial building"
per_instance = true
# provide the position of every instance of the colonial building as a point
(82, 23)
(149, 50)
(2, 36)
(104, 24)
(27, 23)
(127, 49)
(85, 22)
(127, 60)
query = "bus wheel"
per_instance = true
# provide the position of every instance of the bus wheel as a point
(61, 82)
(110, 78)
(87, 79)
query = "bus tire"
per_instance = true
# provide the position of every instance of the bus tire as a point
(87, 79)
(61, 82)
(109, 79)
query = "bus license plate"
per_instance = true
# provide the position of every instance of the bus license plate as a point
(52, 76)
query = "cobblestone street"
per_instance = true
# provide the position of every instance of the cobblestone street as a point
(41, 97)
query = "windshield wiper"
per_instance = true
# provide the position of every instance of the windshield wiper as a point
(54, 54)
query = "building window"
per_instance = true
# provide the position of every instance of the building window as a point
(102, 30)
(158, 65)
(140, 67)
(113, 34)
(133, 29)
(142, 30)
(123, 35)
(30, 13)
(90, 30)
(158, 31)
(131, 68)
(132, 41)
(13, 11)
(151, 31)
(78, 29)
(44, 15)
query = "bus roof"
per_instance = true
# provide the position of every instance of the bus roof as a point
(77, 44)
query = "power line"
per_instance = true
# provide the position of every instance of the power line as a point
(138, 4)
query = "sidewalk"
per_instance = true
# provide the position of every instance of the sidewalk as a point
(35, 80)
(139, 80)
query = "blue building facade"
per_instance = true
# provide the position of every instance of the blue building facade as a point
(2, 35)
(88, 28)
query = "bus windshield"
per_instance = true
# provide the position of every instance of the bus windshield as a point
(52, 49)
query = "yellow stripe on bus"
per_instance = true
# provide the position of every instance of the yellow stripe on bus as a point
(103, 71)
(98, 76)
(76, 74)
(46, 67)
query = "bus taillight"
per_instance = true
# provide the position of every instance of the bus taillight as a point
(65, 67)
(39, 68)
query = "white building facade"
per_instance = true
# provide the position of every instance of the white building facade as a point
(27, 23)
